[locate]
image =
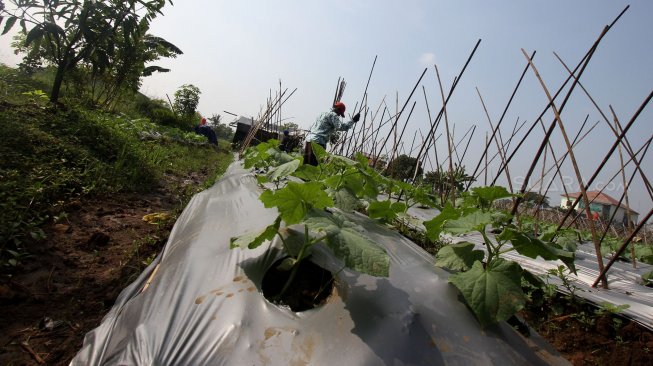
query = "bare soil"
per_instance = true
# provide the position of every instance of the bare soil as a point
(586, 338)
(73, 278)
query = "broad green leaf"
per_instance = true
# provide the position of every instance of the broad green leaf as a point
(381, 210)
(319, 152)
(532, 279)
(282, 157)
(487, 195)
(420, 196)
(371, 187)
(398, 207)
(362, 160)
(9, 24)
(283, 170)
(345, 199)
(34, 33)
(493, 294)
(342, 161)
(435, 225)
(458, 257)
(350, 244)
(359, 252)
(295, 199)
(533, 247)
(254, 239)
(475, 221)
(308, 172)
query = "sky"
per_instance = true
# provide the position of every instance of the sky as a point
(237, 53)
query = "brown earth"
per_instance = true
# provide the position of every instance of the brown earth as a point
(586, 338)
(73, 278)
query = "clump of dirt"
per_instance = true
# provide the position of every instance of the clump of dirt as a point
(71, 280)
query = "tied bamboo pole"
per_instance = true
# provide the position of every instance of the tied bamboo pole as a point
(514, 133)
(614, 176)
(605, 231)
(597, 244)
(496, 134)
(446, 123)
(621, 249)
(399, 115)
(614, 130)
(608, 155)
(552, 126)
(494, 130)
(583, 62)
(431, 135)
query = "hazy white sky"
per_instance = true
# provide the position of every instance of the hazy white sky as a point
(236, 51)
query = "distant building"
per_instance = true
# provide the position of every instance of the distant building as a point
(602, 204)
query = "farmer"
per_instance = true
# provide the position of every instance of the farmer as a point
(285, 142)
(325, 125)
(206, 130)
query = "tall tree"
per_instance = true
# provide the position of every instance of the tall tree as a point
(187, 97)
(402, 167)
(72, 32)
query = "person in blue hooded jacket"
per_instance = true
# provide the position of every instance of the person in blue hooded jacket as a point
(325, 125)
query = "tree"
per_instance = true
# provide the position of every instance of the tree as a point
(536, 199)
(187, 97)
(444, 184)
(402, 168)
(290, 126)
(73, 32)
(222, 130)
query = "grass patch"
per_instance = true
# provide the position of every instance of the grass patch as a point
(50, 155)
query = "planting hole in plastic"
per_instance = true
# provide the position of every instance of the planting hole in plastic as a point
(310, 288)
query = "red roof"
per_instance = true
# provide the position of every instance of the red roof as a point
(600, 197)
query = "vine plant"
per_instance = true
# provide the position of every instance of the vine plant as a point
(490, 284)
(306, 195)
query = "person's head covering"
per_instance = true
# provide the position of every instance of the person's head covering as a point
(339, 108)
(286, 132)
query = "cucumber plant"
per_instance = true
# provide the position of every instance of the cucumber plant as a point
(306, 203)
(489, 283)
(305, 195)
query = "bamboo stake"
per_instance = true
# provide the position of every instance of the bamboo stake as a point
(512, 136)
(614, 176)
(460, 162)
(485, 180)
(505, 110)
(597, 244)
(564, 156)
(431, 134)
(609, 154)
(625, 194)
(400, 112)
(584, 61)
(446, 123)
(394, 148)
(500, 146)
(614, 130)
(622, 248)
(557, 162)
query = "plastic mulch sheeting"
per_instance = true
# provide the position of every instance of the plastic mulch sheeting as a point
(625, 282)
(203, 303)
